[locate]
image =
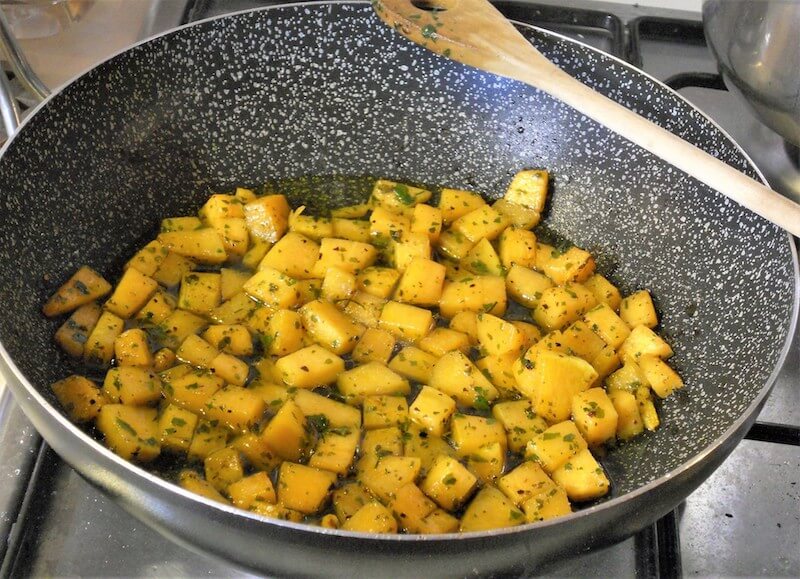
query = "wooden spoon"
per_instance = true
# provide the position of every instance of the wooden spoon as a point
(473, 32)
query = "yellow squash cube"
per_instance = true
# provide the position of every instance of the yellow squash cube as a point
(294, 255)
(377, 281)
(172, 269)
(148, 259)
(595, 416)
(223, 467)
(304, 488)
(443, 340)
(449, 483)
(79, 397)
(201, 245)
(662, 379)
(329, 327)
(517, 247)
(207, 440)
(131, 294)
(490, 509)
(130, 431)
(453, 203)
(131, 349)
(519, 421)
(267, 217)
(374, 346)
(455, 375)
(428, 220)
(409, 247)
(498, 337)
(405, 321)
(177, 427)
(526, 286)
(479, 294)
(335, 450)
(383, 411)
(553, 447)
(467, 323)
(524, 482)
(347, 255)
(642, 341)
(309, 367)
(193, 390)
(256, 488)
(132, 385)
(604, 291)
(196, 351)
(237, 408)
(629, 422)
(519, 215)
(200, 292)
(582, 477)
(338, 284)
(410, 506)
(372, 517)
(85, 286)
(370, 379)
(397, 197)
(454, 244)
(157, 309)
(562, 305)
(608, 325)
(432, 409)
(421, 283)
(469, 433)
(385, 476)
(482, 259)
(234, 339)
(273, 288)
(191, 481)
(337, 414)
(413, 363)
(529, 188)
(73, 333)
(285, 433)
(382, 442)
(637, 309)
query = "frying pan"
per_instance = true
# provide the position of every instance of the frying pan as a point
(305, 95)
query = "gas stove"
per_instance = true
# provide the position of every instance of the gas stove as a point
(744, 520)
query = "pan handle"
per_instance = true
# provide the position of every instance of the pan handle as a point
(9, 109)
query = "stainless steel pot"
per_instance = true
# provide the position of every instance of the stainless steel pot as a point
(757, 45)
(326, 90)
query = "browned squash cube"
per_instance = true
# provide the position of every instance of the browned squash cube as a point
(85, 286)
(73, 334)
(130, 431)
(80, 397)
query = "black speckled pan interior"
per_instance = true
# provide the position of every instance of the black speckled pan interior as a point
(326, 90)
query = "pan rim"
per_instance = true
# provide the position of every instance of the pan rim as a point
(16, 379)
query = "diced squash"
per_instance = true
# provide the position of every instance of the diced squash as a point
(382, 442)
(370, 379)
(497, 337)
(469, 433)
(405, 321)
(517, 247)
(553, 447)
(130, 431)
(551, 380)
(309, 367)
(642, 341)
(255, 450)
(428, 220)
(200, 292)
(184, 223)
(562, 305)
(409, 247)
(337, 414)
(148, 259)
(196, 351)
(304, 488)
(172, 269)
(480, 294)
(377, 281)
(397, 197)
(294, 255)
(490, 509)
(579, 340)
(386, 225)
(285, 333)
(314, 227)
(449, 482)
(131, 293)
(193, 390)
(455, 375)
(201, 245)
(637, 309)
(629, 423)
(347, 255)
(547, 504)
(352, 229)
(267, 217)
(526, 286)
(431, 410)
(285, 433)
(382, 411)
(604, 291)
(524, 482)
(177, 326)
(500, 372)
(79, 397)
(454, 244)
(410, 506)
(256, 488)
(273, 288)
(608, 325)
(582, 477)
(421, 283)
(335, 450)
(193, 482)
(374, 346)
(157, 309)
(482, 259)
(338, 284)
(519, 215)
(385, 476)
(176, 427)
(519, 421)
(365, 308)
(466, 322)
(132, 385)
(231, 338)
(413, 363)
(231, 282)
(482, 223)
(573, 265)
(256, 251)
(85, 286)
(529, 188)
(443, 340)
(373, 517)
(661, 378)
(99, 348)
(453, 203)
(237, 408)
(488, 462)
(230, 368)
(329, 327)
(595, 416)
(223, 467)
(74, 333)
(207, 440)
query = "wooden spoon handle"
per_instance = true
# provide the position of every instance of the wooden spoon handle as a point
(473, 32)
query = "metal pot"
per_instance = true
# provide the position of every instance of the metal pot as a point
(325, 89)
(757, 45)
